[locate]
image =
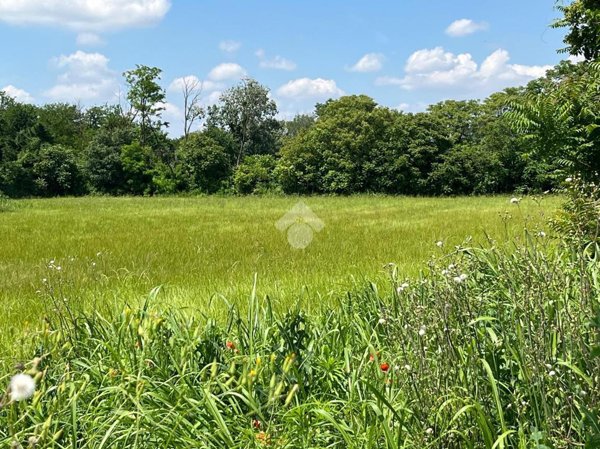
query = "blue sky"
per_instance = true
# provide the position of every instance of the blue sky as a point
(405, 53)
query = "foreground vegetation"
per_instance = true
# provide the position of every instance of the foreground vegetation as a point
(494, 347)
(205, 251)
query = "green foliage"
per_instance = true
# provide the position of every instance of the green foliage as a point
(248, 113)
(579, 220)
(147, 100)
(205, 163)
(137, 163)
(51, 170)
(255, 175)
(558, 118)
(582, 18)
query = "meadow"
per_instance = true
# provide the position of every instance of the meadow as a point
(406, 323)
(205, 252)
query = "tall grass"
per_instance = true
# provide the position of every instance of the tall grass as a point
(202, 249)
(504, 356)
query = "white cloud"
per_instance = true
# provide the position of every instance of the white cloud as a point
(86, 77)
(576, 59)
(371, 62)
(204, 85)
(303, 88)
(463, 27)
(89, 40)
(84, 15)
(230, 46)
(436, 68)
(278, 62)
(22, 96)
(227, 71)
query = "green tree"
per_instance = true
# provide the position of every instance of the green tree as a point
(248, 113)
(53, 170)
(256, 174)
(147, 100)
(582, 18)
(205, 164)
(138, 168)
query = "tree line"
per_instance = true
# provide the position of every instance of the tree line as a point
(521, 139)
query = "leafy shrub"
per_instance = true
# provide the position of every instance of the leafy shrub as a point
(256, 174)
(579, 220)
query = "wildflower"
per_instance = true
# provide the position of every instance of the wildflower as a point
(429, 431)
(569, 180)
(514, 200)
(451, 266)
(422, 331)
(541, 234)
(230, 345)
(382, 321)
(440, 244)
(460, 279)
(263, 437)
(552, 373)
(445, 272)
(384, 367)
(22, 386)
(407, 367)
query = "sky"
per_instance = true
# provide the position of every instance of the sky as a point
(406, 54)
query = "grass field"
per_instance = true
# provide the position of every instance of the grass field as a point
(118, 249)
(484, 347)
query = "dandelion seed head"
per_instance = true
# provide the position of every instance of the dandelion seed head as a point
(22, 387)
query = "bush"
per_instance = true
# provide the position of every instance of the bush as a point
(255, 175)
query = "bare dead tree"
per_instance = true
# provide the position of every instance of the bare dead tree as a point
(191, 87)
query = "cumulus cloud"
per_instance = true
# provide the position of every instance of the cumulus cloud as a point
(89, 40)
(205, 86)
(229, 46)
(22, 96)
(227, 71)
(277, 63)
(84, 15)
(85, 77)
(304, 88)
(371, 62)
(463, 27)
(436, 68)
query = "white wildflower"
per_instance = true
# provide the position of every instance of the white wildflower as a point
(440, 244)
(552, 373)
(514, 200)
(460, 279)
(429, 431)
(407, 367)
(569, 180)
(422, 331)
(541, 234)
(445, 272)
(22, 386)
(382, 321)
